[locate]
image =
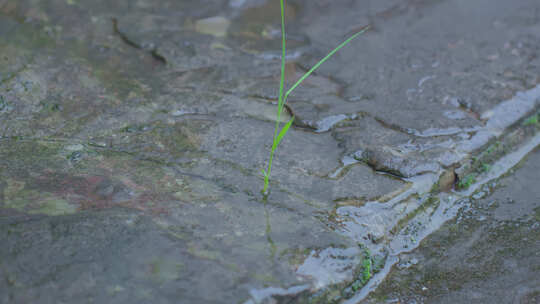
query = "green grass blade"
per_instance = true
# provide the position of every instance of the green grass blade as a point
(280, 103)
(282, 78)
(282, 99)
(284, 131)
(281, 84)
(316, 66)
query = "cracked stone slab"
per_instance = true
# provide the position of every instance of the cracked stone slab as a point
(118, 168)
(107, 196)
(306, 175)
(404, 69)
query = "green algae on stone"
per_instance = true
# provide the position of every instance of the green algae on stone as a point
(465, 182)
(532, 120)
(11, 193)
(369, 265)
(429, 204)
(537, 214)
(19, 156)
(164, 139)
(163, 270)
(18, 196)
(197, 191)
(54, 206)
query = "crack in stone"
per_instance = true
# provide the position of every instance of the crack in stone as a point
(153, 52)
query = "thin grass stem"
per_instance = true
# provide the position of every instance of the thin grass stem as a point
(280, 101)
(316, 66)
(282, 98)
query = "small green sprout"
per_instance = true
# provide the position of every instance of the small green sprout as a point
(356, 286)
(533, 120)
(466, 181)
(366, 273)
(282, 99)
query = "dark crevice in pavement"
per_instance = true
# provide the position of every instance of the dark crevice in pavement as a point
(391, 126)
(153, 52)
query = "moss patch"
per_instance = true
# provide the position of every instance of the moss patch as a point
(19, 197)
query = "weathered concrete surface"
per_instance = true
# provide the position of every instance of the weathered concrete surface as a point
(132, 135)
(488, 254)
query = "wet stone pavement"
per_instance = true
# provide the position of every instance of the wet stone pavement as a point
(132, 135)
(490, 253)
